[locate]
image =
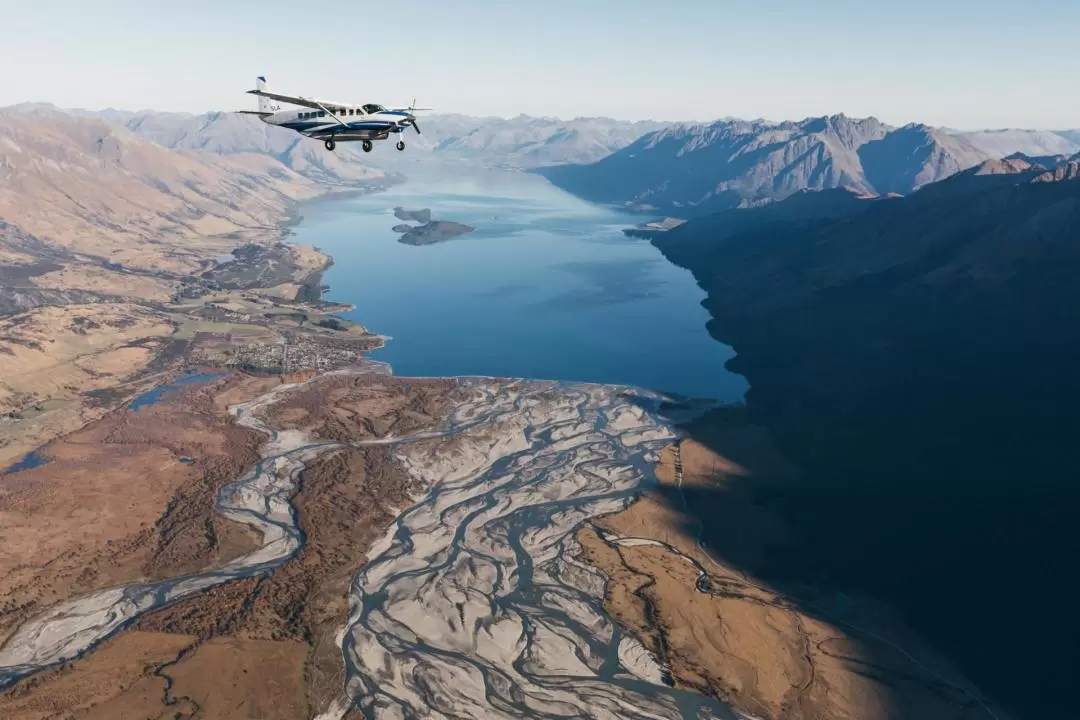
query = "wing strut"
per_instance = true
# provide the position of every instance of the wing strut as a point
(340, 121)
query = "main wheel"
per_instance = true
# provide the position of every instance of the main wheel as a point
(400, 144)
(367, 146)
(330, 145)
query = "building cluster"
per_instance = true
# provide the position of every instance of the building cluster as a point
(287, 356)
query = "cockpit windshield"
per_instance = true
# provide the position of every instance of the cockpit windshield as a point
(373, 108)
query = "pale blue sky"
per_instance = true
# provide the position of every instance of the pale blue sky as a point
(963, 63)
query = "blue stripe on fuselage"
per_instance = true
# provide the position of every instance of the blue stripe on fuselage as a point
(303, 126)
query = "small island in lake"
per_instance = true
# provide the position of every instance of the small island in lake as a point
(420, 216)
(429, 231)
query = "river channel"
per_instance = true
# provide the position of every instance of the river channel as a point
(474, 603)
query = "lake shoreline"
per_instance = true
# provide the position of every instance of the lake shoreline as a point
(594, 289)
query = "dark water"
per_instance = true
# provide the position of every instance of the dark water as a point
(151, 397)
(32, 460)
(546, 287)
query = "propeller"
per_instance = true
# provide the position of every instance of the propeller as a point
(412, 118)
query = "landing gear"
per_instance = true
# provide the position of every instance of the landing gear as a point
(330, 145)
(367, 146)
(400, 144)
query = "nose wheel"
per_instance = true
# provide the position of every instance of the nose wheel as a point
(367, 146)
(400, 144)
(330, 145)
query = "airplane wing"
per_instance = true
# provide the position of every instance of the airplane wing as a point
(412, 106)
(297, 100)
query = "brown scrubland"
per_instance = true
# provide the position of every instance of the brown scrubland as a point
(766, 652)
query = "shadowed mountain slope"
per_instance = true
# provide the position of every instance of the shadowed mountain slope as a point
(917, 357)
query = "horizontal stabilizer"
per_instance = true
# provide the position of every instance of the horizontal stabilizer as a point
(253, 112)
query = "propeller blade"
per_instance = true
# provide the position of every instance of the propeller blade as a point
(416, 127)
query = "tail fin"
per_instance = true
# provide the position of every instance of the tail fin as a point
(266, 105)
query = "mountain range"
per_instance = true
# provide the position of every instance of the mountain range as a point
(1034, 143)
(89, 211)
(685, 169)
(516, 143)
(528, 142)
(226, 133)
(916, 357)
(698, 169)
(902, 301)
(93, 187)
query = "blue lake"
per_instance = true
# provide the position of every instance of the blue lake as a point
(29, 461)
(158, 394)
(547, 286)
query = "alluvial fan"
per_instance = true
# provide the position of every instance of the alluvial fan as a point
(473, 604)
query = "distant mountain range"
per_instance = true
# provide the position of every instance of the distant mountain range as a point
(226, 133)
(528, 142)
(1035, 143)
(516, 143)
(917, 358)
(680, 168)
(520, 142)
(698, 169)
(695, 170)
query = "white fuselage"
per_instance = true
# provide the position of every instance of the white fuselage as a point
(357, 122)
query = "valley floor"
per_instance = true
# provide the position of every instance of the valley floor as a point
(415, 548)
(294, 532)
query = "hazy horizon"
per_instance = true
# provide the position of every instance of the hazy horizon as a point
(712, 121)
(943, 65)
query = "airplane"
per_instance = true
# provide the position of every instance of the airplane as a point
(333, 122)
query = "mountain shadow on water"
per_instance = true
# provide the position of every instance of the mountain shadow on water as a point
(917, 359)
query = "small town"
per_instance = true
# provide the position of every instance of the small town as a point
(290, 354)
